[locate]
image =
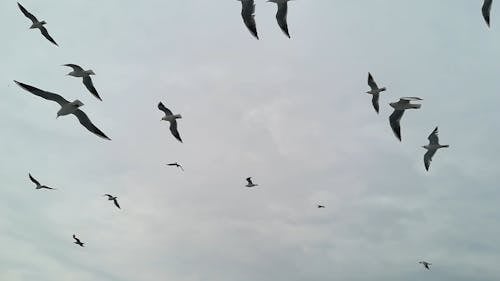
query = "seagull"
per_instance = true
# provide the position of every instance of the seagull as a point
(399, 109)
(176, 165)
(250, 183)
(281, 15)
(321, 206)
(38, 185)
(37, 24)
(85, 74)
(66, 107)
(425, 264)
(375, 91)
(77, 241)
(432, 147)
(248, 15)
(486, 11)
(172, 119)
(111, 197)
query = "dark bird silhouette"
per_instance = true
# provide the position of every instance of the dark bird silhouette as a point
(486, 10)
(170, 117)
(248, 15)
(85, 74)
(432, 147)
(37, 24)
(281, 15)
(374, 91)
(321, 206)
(113, 198)
(399, 110)
(77, 241)
(176, 165)
(250, 183)
(38, 185)
(425, 264)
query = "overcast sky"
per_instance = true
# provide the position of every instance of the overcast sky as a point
(292, 113)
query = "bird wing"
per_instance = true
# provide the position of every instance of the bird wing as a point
(428, 158)
(74, 66)
(173, 130)
(85, 121)
(486, 11)
(87, 81)
(394, 122)
(109, 196)
(371, 82)
(45, 33)
(281, 17)
(26, 13)
(47, 187)
(408, 99)
(164, 109)
(43, 94)
(248, 15)
(33, 179)
(116, 203)
(375, 102)
(433, 137)
(76, 239)
(249, 180)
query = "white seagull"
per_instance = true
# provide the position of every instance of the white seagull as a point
(66, 107)
(85, 74)
(432, 147)
(248, 15)
(399, 110)
(250, 183)
(425, 264)
(37, 24)
(486, 9)
(374, 91)
(281, 15)
(38, 185)
(170, 117)
(113, 198)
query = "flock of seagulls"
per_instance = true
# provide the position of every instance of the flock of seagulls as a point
(248, 15)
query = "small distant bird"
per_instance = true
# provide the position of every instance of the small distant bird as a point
(38, 185)
(250, 183)
(77, 241)
(486, 9)
(425, 264)
(85, 74)
(113, 198)
(66, 107)
(375, 91)
(432, 147)
(176, 165)
(170, 117)
(321, 206)
(37, 24)
(248, 15)
(281, 15)
(399, 110)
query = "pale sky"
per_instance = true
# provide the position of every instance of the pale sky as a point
(291, 113)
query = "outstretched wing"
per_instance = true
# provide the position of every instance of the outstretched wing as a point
(371, 82)
(43, 94)
(164, 109)
(428, 158)
(33, 179)
(394, 120)
(74, 66)
(116, 203)
(486, 9)
(173, 130)
(375, 102)
(433, 137)
(87, 81)
(248, 15)
(45, 33)
(281, 17)
(249, 180)
(85, 121)
(26, 13)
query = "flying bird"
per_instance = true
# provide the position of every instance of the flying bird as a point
(250, 183)
(66, 107)
(432, 147)
(77, 241)
(399, 110)
(176, 165)
(321, 206)
(37, 24)
(281, 15)
(113, 198)
(425, 264)
(170, 117)
(486, 9)
(85, 74)
(38, 185)
(248, 15)
(374, 91)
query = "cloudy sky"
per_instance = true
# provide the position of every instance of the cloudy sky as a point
(292, 113)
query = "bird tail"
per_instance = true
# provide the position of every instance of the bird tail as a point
(177, 116)
(445, 146)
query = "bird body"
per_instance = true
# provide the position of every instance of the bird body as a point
(425, 264)
(38, 24)
(77, 241)
(250, 183)
(432, 147)
(321, 206)
(69, 108)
